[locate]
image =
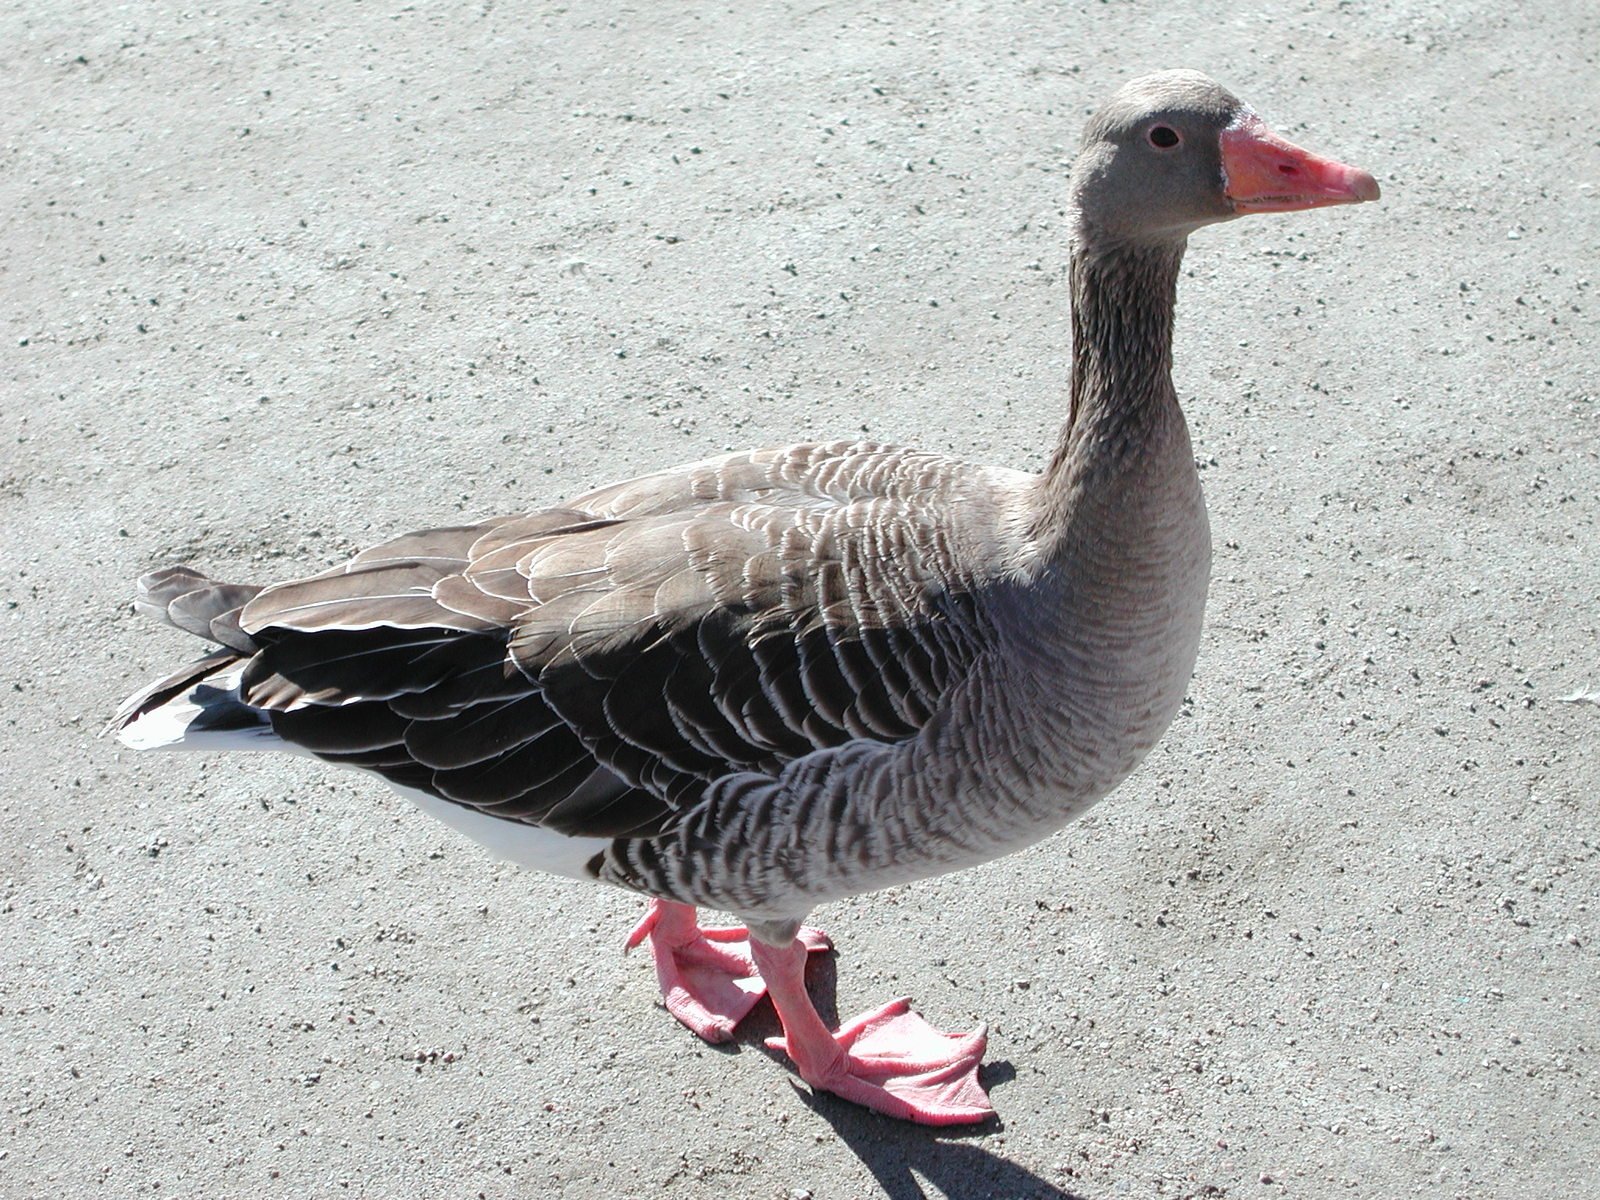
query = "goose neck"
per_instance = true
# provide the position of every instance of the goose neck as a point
(1122, 309)
(1122, 404)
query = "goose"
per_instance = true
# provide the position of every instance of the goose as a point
(773, 679)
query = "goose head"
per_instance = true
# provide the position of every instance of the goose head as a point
(1171, 152)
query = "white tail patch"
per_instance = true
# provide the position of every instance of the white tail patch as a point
(515, 842)
(173, 726)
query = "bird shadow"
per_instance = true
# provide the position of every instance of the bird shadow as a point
(899, 1152)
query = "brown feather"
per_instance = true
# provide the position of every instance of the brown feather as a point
(383, 594)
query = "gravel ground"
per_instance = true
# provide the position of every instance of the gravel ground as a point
(283, 279)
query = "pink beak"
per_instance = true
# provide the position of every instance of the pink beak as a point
(1263, 172)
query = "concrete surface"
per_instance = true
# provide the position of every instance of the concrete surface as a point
(278, 280)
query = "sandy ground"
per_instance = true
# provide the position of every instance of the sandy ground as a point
(278, 283)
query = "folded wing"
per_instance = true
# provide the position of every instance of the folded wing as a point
(591, 668)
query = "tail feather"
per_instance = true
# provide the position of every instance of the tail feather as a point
(197, 604)
(201, 696)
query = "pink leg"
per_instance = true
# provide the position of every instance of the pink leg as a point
(708, 979)
(890, 1059)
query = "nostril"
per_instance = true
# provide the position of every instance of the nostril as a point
(1288, 169)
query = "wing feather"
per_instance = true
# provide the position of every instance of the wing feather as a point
(372, 595)
(592, 667)
(479, 733)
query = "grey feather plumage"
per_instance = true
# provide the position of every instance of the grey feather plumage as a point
(771, 679)
(786, 676)
(782, 676)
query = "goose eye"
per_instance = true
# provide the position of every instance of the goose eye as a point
(1163, 137)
